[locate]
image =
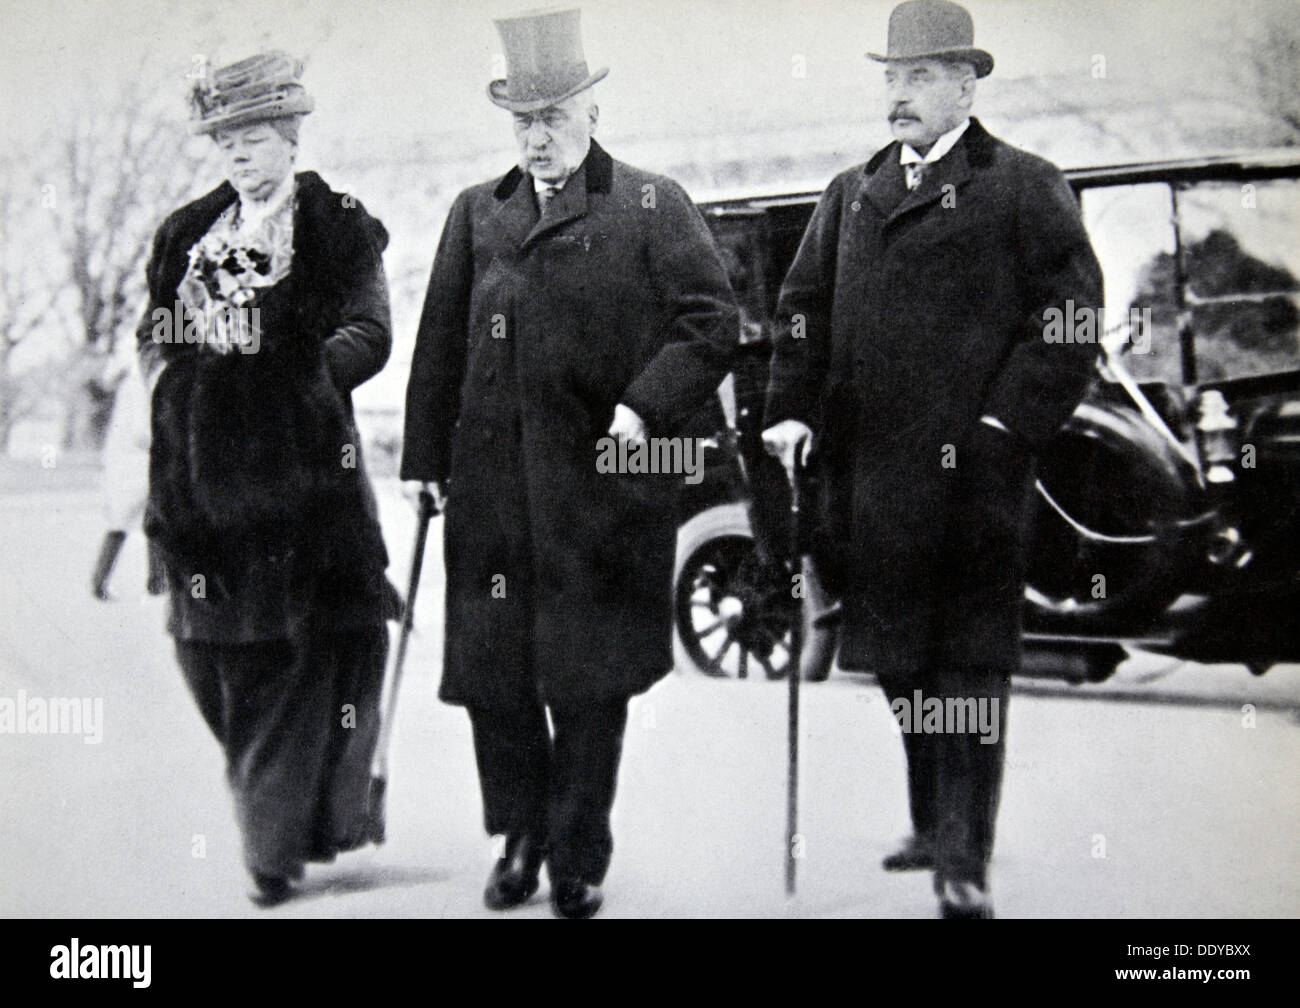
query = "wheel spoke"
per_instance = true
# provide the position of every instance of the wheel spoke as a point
(715, 663)
(726, 650)
(717, 624)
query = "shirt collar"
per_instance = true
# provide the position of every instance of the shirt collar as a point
(942, 146)
(539, 186)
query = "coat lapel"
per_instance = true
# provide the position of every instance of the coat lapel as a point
(953, 169)
(569, 204)
(515, 213)
(886, 185)
(516, 210)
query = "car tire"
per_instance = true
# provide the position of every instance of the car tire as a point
(733, 609)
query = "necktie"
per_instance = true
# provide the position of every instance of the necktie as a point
(915, 173)
(545, 195)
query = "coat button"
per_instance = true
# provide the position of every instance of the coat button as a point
(490, 374)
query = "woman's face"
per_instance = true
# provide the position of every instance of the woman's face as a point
(256, 158)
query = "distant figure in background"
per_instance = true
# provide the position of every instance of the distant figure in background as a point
(257, 496)
(126, 479)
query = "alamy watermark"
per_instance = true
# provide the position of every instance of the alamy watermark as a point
(76, 961)
(24, 715)
(654, 456)
(922, 715)
(1085, 324)
(224, 327)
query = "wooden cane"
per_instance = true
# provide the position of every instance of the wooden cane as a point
(793, 674)
(379, 766)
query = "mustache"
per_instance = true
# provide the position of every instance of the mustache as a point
(901, 113)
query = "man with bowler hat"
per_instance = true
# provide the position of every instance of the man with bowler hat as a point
(910, 368)
(573, 299)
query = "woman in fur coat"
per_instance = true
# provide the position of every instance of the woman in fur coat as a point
(268, 306)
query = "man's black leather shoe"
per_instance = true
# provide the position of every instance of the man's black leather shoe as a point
(914, 855)
(514, 877)
(955, 911)
(574, 899)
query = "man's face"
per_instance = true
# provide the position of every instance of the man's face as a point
(553, 141)
(256, 158)
(927, 98)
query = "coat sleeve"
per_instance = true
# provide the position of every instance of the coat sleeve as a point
(704, 322)
(149, 350)
(358, 349)
(801, 325)
(1041, 383)
(438, 362)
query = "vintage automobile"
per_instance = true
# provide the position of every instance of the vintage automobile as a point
(1168, 508)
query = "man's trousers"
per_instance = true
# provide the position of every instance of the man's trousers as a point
(954, 779)
(558, 788)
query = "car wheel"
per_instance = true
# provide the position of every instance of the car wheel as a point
(732, 610)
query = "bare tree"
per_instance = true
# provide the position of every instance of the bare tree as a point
(124, 166)
(29, 295)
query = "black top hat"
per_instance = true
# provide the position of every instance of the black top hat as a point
(261, 87)
(937, 29)
(544, 60)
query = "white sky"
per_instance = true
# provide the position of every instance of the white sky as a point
(688, 77)
(403, 67)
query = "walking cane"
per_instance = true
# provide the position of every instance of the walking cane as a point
(379, 766)
(794, 675)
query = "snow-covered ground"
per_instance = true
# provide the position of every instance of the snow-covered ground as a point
(1147, 796)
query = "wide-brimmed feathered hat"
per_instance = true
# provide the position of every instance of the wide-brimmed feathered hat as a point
(936, 29)
(265, 86)
(544, 60)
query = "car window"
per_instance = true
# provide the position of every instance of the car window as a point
(1132, 231)
(1241, 255)
(740, 237)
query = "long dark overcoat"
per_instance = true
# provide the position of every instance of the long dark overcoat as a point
(559, 576)
(906, 317)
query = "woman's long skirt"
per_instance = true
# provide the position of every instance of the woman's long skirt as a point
(298, 730)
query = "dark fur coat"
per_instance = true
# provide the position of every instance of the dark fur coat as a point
(256, 492)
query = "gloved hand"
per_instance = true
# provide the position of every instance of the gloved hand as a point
(783, 440)
(411, 490)
(627, 426)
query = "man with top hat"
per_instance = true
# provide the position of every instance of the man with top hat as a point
(573, 299)
(910, 369)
